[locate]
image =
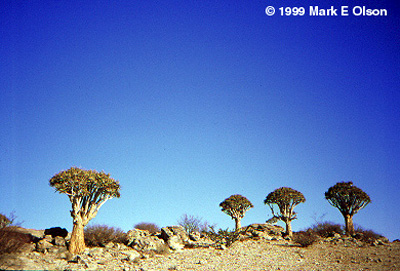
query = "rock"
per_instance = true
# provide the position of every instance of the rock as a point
(168, 232)
(175, 236)
(96, 252)
(80, 260)
(60, 253)
(142, 240)
(383, 239)
(109, 245)
(56, 231)
(132, 255)
(43, 246)
(195, 236)
(120, 246)
(136, 233)
(265, 231)
(175, 243)
(48, 238)
(59, 241)
(222, 247)
(336, 235)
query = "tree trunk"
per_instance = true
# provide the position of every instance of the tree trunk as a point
(77, 242)
(288, 228)
(237, 224)
(349, 224)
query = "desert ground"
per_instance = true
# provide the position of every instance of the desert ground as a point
(247, 254)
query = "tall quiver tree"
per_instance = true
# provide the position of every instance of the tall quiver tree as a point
(87, 190)
(349, 199)
(286, 199)
(236, 206)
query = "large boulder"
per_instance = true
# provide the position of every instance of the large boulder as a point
(43, 246)
(265, 230)
(56, 231)
(143, 240)
(175, 236)
(132, 255)
(59, 241)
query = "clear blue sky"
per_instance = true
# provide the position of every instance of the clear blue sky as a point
(189, 102)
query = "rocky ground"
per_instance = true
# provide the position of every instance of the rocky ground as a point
(261, 252)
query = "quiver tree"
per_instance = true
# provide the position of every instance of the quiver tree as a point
(236, 206)
(286, 199)
(349, 200)
(87, 190)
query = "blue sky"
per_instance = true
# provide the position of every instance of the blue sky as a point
(188, 102)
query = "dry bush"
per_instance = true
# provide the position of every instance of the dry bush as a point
(9, 220)
(224, 237)
(12, 241)
(151, 227)
(368, 236)
(305, 238)
(193, 224)
(327, 229)
(100, 235)
(4, 221)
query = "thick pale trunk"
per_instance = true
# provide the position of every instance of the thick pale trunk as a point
(237, 224)
(288, 228)
(349, 224)
(77, 242)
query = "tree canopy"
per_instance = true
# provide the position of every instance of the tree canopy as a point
(286, 199)
(80, 182)
(236, 206)
(348, 198)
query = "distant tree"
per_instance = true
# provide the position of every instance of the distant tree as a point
(349, 200)
(286, 199)
(236, 206)
(87, 190)
(151, 227)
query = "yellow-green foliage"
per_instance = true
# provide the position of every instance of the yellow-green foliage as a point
(236, 206)
(81, 182)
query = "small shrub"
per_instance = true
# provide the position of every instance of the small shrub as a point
(368, 236)
(9, 220)
(224, 237)
(4, 221)
(151, 227)
(12, 241)
(327, 229)
(305, 238)
(100, 235)
(193, 223)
